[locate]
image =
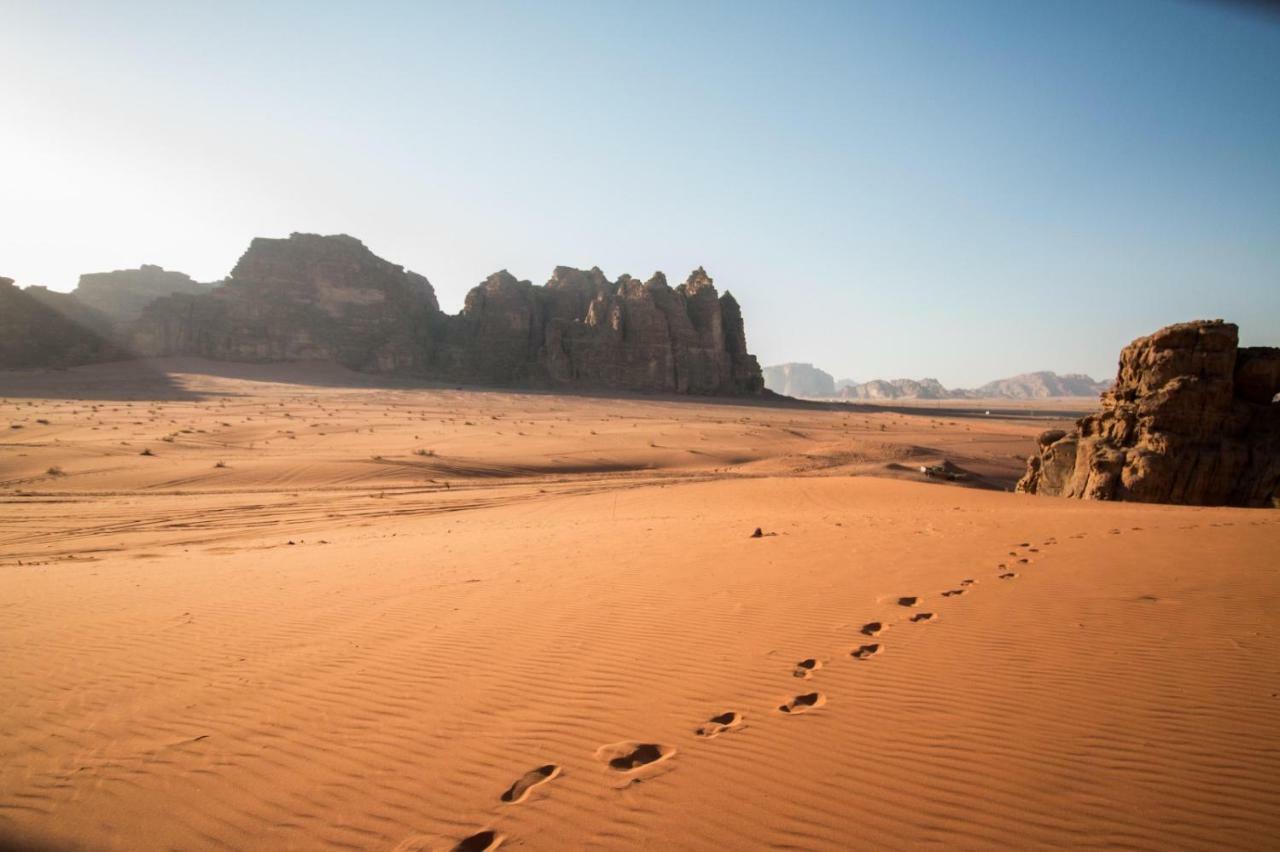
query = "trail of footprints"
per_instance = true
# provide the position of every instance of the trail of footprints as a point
(629, 758)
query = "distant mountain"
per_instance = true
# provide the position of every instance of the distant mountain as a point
(807, 381)
(799, 380)
(898, 389)
(122, 295)
(1041, 385)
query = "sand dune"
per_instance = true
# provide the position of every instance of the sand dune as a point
(405, 618)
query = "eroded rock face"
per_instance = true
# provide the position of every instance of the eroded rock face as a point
(331, 298)
(1191, 419)
(305, 297)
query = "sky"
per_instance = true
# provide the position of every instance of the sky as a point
(890, 189)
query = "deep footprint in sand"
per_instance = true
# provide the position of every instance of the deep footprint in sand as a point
(803, 703)
(951, 593)
(863, 652)
(716, 725)
(1008, 575)
(967, 582)
(908, 600)
(520, 790)
(629, 756)
(481, 841)
(921, 617)
(871, 628)
(804, 668)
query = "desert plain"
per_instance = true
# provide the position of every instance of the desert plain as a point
(293, 607)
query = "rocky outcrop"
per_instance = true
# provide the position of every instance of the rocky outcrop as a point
(318, 297)
(122, 295)
(799, 380)
(1191, 419)
(40, 328)
(305, 297)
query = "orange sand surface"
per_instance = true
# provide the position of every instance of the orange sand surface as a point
(328, 613)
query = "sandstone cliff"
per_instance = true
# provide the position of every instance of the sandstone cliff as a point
(1191, 419)
(310, 296)
(305, 297)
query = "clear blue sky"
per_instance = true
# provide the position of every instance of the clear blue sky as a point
(962, 190)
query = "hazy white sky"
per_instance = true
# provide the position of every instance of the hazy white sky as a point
(957, 190)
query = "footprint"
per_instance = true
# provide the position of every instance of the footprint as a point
(951, 593)
(1008, 575)
(804, 668)
(629, 756)
(967, 582)
(803, 703)
(520, 790)
(871, 628)
(1024, 561)
(481, 841)
(726, 721)
(908, 600)
(864, 652)
(922, 616)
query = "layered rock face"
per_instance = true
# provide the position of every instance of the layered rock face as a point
(799, 380)
(305, 297)
(331, 298)
(1191, 419)
(122, 295)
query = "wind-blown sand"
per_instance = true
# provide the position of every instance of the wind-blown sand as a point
(556, 626)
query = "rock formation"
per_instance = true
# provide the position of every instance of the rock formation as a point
(305, 297)
(122, 295)
(40, 328)
(310, 296)
(799, 380)
(1040, 385)
(899, 389)
(1191, 419)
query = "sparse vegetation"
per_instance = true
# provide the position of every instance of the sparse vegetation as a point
(146, 452)
(55, 471)
(424, 452)
(220, 464)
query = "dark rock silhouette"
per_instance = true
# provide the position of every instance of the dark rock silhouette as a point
(312, 296)
(1191, 419)
(40, 328)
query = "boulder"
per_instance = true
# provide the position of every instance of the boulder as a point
(1191, 419)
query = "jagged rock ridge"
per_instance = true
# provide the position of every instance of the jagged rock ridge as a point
(313, 296)
(1192, 418)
